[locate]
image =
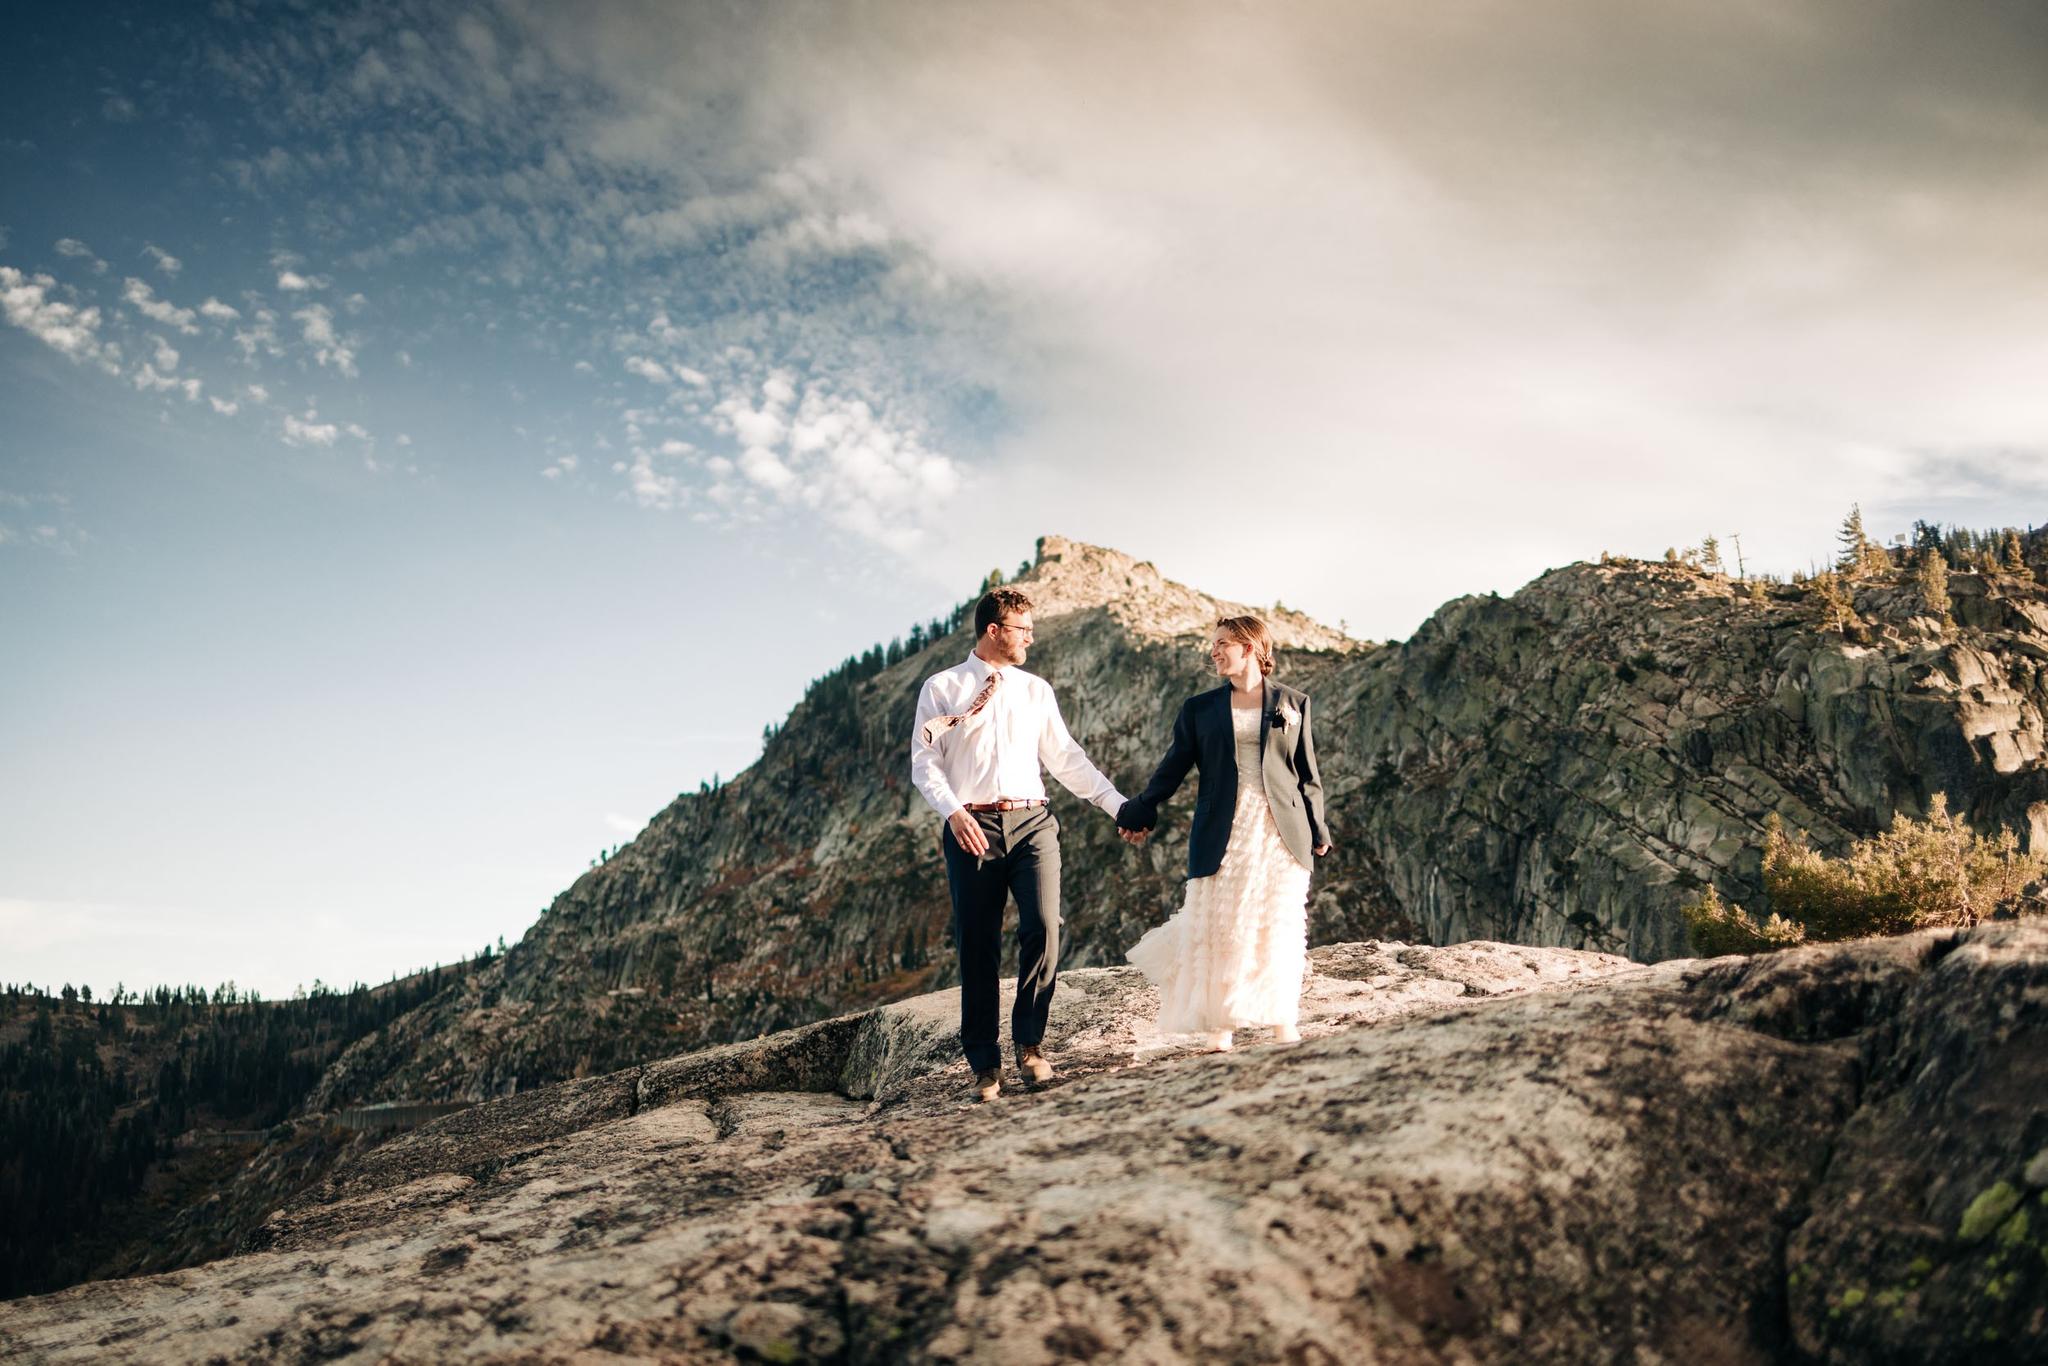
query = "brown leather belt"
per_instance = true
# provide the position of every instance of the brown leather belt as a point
(1007, 804)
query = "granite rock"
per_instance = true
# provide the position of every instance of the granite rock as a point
(1482, 1153)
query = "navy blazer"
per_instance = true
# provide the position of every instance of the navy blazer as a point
(1202, 737)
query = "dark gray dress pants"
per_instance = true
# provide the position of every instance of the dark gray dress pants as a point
(1023, 860)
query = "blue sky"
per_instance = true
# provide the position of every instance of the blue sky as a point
(436, 434)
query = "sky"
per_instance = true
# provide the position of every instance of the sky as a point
(437, 434)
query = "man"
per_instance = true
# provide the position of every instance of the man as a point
(983, 728)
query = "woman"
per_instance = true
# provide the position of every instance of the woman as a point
(1235, 952)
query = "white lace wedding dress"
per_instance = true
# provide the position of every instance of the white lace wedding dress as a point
(1235, 952)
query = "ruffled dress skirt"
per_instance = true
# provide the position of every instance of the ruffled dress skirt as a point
(1237, 950)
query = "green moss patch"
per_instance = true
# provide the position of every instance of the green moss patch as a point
(1988, 1211)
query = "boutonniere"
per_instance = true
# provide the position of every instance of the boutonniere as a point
(1284, 715)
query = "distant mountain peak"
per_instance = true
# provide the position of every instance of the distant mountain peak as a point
(1071, 576)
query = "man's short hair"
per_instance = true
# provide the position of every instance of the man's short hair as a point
(996, 604)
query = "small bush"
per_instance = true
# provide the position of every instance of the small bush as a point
(1915, 876)
(1719, 927)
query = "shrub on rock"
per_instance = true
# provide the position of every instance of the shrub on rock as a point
(1918, 875)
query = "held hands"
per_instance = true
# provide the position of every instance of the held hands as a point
(1127, 828)
(967, 832)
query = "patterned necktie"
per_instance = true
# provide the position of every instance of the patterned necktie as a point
(939, 725)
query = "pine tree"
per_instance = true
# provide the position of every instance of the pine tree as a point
(2013, 556)
(1931, 578)
(1854, 556)
(1710, 555)
(1836, 608)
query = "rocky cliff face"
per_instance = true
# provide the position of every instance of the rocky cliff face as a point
(1564, 767)
(1569, 765)
(1488, 1153)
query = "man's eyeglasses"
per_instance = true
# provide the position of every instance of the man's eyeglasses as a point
(1028, 631)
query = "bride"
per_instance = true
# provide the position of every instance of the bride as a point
(1235, 953)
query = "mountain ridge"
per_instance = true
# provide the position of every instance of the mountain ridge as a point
(1563, 767)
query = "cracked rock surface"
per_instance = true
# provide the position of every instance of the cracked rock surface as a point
(1478, 1153)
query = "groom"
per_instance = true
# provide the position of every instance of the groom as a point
(983, 728)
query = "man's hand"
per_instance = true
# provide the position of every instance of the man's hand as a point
(1134, 838)
(1320, 850)
(967, 832)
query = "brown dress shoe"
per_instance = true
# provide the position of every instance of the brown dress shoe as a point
(1031, 1062)
(988, 1085)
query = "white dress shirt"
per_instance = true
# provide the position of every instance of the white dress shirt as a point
(997, 753)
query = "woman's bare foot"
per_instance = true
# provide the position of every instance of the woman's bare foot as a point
(1286, 1034)
(1220, 1041)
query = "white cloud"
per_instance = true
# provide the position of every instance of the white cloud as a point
(257, 393)
(1338, 234)
(71, 246)
(166, 355)
(218, 311)
(760, 465)
(259, 336)
(226, 407)
(165, 262)
(309, 430)
(149, 378)
(819, 234)
(64, 327)
(563, 465)
(294, 283)
(832, 456)
(1334, 240)
(764, 426)
(145, 302)
(61, 536)
(664, 331)
(584, 367)
(118, 108)
(316, 322)
(653, 488)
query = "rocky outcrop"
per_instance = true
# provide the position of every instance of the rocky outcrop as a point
(811, 884)
(1570, 765)
(1564, 767)
(1481, 1153)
